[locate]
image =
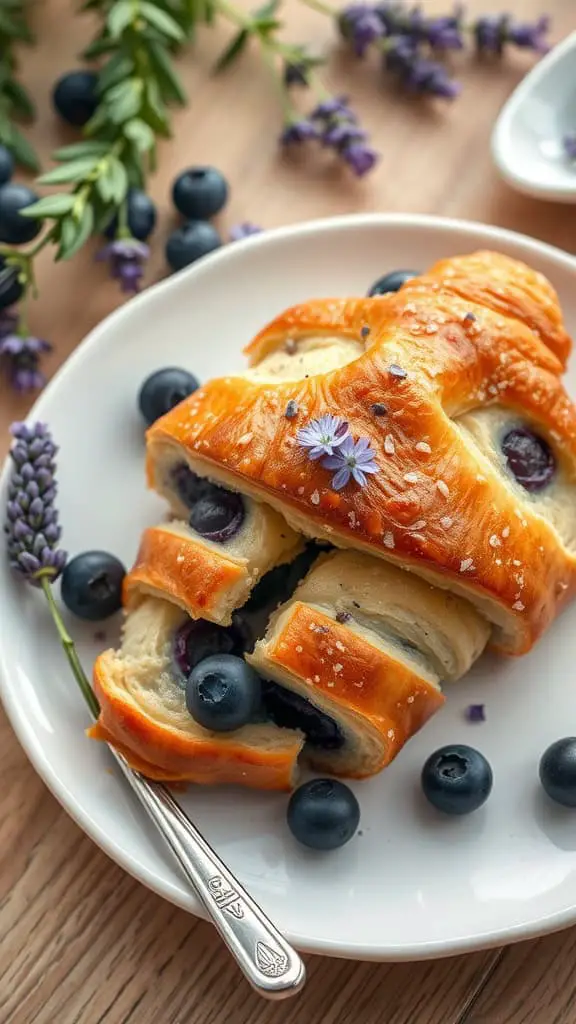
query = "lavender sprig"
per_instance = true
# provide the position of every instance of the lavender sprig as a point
(335, 126)
(20, 357)
(33, 532)
(410, 41)
(31, 526)
(126, 258)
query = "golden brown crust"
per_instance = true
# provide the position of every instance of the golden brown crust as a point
(436, 506)
(187, 572)
(172, 755)
(329, 658)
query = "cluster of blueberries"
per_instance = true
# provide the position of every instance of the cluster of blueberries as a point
(198, 195)
(223, 692)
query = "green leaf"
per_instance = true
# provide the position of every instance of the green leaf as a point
(120, 15)
(74, 170)
(88, 147)
(116, 70)
(266, 25)
(19, 98)
(123, 101)
(154, 112)
(99, 47)
(168, 79)
(161, 20)
(21, 149)
(140, 134)
(112, 185)
(232, 51)
(50, 206)
(84, 227)
(267, 10)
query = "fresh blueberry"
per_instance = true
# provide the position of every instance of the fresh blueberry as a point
(75, 97)
(6, 165)
(163, 390)
(200, 193)
(291, 711)
(323, 814)
(190, 242)
(218, 515)
(223, 693)
(530, 458)
(14, 228)
(141, 216)
(457, 779)
(10, 287)
(558, 771)
(392, 282)
(92, 585)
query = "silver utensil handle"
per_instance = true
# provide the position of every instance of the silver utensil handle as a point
(269, 963)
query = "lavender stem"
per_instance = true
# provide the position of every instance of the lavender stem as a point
(69, 648)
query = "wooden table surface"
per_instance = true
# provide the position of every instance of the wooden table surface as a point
(80, 941)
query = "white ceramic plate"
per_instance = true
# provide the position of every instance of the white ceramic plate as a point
(527, 141)
(413, 884)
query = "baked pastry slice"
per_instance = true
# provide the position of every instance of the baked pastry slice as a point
(368, 646)
(356, 656)
(452, 385)
(210, 571)
(143, 714)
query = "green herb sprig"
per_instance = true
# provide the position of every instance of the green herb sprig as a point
(15, 103)
(136, 84)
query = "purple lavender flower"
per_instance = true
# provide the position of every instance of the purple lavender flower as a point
(243, 230)
(299, 131)
(493, 32)
(419, 74)
(20, 357)
(334, 106)
(31, 527)
(322, 436)
(361, 26)
(530, 36)
(126, 258)
(570, 146)
(351, 459)
(360, 158)
(444, 33)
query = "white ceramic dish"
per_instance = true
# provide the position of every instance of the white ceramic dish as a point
(413, 884)
(527, 138)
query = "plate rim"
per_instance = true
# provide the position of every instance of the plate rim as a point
(485, 234)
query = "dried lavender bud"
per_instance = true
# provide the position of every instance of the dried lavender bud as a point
(378, 409)
(291, 409)
(31, 527)
(364, 332)
(397, 372)
(20, 356)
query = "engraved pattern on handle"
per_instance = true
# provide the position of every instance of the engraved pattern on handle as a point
(267, 960)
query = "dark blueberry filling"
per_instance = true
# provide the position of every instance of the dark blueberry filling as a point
(189, 486)
(198, 639)
(290, 711)
(279, 584)
(529, 458)
(218, 515)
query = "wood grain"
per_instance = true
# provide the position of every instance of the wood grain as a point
(81, 942)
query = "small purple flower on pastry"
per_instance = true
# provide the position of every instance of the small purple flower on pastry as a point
(352, 459)
(291, 410)
(322, 436)
(475, 713)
